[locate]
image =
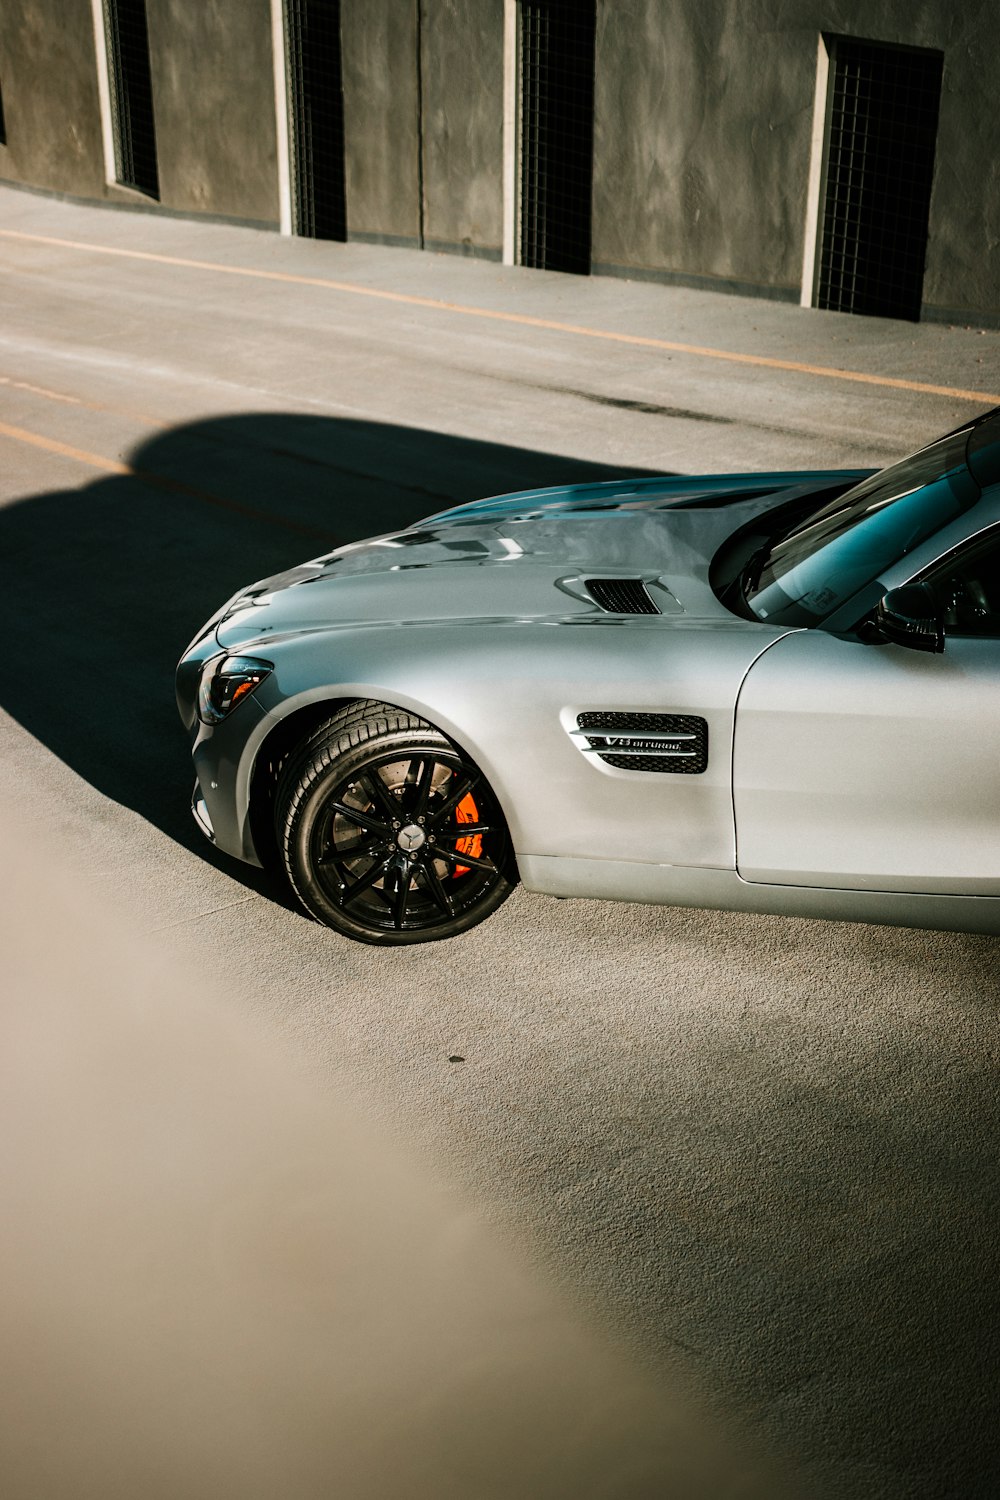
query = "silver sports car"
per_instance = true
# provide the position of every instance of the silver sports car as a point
(764, 692)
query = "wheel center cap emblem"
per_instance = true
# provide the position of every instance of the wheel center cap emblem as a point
(410, 838)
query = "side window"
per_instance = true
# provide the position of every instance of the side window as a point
(969, 589)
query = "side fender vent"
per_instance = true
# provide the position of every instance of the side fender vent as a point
(621, 596)
(674, 743)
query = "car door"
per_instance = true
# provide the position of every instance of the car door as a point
(877, 766)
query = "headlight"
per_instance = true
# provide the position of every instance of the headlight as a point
(226, 681)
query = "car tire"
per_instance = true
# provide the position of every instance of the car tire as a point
(389, 833)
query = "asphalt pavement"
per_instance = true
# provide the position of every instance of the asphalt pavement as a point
(758, 1154)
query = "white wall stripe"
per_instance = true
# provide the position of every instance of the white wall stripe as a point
(104, 92)
(280, 114)
(509, 132)
(811, 246)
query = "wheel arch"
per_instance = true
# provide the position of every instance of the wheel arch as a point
(292, 728)
(269, 761)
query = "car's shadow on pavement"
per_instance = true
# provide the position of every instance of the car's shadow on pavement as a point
(104, 585)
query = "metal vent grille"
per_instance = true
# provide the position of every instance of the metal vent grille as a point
(316, 117)
(557, 133)
(131, 89)
(621, 596)
(672, 743)
(881, 130)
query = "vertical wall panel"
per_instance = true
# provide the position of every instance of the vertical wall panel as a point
(381, 112)
(48, 64)
(462, 113)
(213, 91)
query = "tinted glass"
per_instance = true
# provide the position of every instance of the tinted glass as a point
(984, 451)
(830, 556)
(969, 589)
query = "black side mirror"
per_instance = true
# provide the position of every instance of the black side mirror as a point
(911, 616)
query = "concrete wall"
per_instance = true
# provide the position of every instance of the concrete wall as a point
(48, 72)
(703, 119)
(213, 106)
(381, 97)
(462, 74)
(423, 122)
(963, 254)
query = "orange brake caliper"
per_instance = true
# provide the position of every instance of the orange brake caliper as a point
(467, 812)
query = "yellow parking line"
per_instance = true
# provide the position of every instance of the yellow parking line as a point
(761, 361)
(160, 481)
(52, 445)
(50, 395)
(41, 390)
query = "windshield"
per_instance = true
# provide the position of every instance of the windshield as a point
(840, 548)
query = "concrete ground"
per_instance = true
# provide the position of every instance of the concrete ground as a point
(760, 1152)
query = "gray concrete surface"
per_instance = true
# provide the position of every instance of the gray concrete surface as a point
(461, 60)
(51, 108)
(702, 122)
(761, 1152)
(702, 129)
(215, 1280)
(381, 104)
(212, 74)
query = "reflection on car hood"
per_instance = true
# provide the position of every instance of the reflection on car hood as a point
(524, 556)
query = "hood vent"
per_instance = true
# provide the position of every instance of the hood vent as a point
(621, 596)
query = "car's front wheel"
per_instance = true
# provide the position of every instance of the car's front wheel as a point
(389, 833)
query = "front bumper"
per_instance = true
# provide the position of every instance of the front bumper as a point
(200, 813)
(223, 756)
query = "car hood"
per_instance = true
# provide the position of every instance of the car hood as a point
(525, 555)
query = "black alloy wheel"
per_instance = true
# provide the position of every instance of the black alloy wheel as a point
(389, 833)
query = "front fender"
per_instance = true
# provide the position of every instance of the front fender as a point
(505, 693)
